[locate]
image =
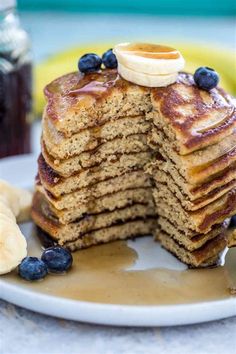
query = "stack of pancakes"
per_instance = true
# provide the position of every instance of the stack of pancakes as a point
(194, 133)
(119, 160)
(91, 184)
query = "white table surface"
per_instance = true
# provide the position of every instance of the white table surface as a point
(25, 332)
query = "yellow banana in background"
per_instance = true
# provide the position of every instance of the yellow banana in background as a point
(223, 61)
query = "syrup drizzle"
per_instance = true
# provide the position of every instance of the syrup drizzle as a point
(151, 51)
(99, 274)
(94, 88)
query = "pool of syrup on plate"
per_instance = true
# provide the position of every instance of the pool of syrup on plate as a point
(101, 274)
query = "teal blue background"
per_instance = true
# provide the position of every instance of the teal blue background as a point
(155, 7)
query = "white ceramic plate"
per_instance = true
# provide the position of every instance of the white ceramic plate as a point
(21, 171)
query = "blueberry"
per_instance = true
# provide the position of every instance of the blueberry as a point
(32, 268)
(89, 63)
(233, 221)
(109, 59)
(57, 259)
(206, 78)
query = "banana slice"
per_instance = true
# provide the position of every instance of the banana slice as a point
(147, 80)
(150, 59)
(13, 246)
(6, 211)
(14, 204)
(8, 194)
(18, 200)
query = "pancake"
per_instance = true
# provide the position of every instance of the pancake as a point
(90, 100)
(127, 230)
(127, 181)
(191, 192)
(90, 222)
(205, 199)
(202, 220)
(198, 166)
(205, 256)
(61, 147)
(92, 230)
(191, 241)
(193, 118)
(58, 185)
(109, 202)
(106, 151)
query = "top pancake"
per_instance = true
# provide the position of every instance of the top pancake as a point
(77, 101)
(192, 118)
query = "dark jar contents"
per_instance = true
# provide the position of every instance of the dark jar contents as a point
(15, 105)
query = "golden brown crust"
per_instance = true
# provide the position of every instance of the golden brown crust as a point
(197, 118)
(221, 214)
(47, 173)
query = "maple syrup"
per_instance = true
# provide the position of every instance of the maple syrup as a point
(107, 274)
(152, 51)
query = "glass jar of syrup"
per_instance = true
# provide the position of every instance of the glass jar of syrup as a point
(15, 83)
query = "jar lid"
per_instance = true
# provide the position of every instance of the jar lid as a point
(7, 4)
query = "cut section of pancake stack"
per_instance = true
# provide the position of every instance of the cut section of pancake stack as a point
(120, 160)
(194, 135)
(91, 185)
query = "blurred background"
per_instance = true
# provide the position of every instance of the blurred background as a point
(61, 31)
(171, 7)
